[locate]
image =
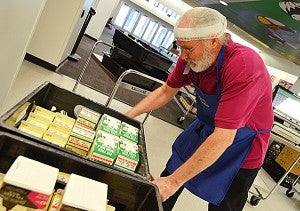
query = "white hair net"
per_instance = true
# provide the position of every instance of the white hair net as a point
(200, 23)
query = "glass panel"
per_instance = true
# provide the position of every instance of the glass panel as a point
(150, 31)
(131, 20)
(140, 28)
(120, 19)
(161, 33)
(168, 40)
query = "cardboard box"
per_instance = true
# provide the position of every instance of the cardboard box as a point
(32, 129)
(286, 157)
(28, 183)
(82, 193)
(128, 155)
(85, 123)
(83, 133)
(129, 132)
(13, 196)
(105, 148)
(89, 115)
(109, 125)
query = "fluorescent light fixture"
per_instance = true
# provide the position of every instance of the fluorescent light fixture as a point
(224, 3)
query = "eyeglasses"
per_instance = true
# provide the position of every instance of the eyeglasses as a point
(191, 50)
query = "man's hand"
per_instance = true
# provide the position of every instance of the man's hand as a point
(167, 186)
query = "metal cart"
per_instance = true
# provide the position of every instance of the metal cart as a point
(119, 82)
(257, 196)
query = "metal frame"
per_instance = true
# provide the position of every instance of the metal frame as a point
(256, 197)
(119, 83)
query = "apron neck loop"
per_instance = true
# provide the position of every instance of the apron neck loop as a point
(218, 68)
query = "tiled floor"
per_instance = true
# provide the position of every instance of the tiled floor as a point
(159, 136)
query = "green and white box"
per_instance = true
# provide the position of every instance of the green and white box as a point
(110, 125)
(105, 148)
(128, 156)
(129, 132)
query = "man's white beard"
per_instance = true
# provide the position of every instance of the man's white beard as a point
(204, 63)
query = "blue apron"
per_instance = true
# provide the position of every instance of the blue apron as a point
(212, 183)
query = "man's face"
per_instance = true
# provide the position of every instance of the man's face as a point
(197, 54)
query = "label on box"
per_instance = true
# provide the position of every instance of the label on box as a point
(64, 118)
(83, 133)
(55, 138)
(13, 196)
(129, 132)
(89, 114)
(40, 119)
(105, 147)
(44, 112)
(85, 123)
(31, 129)
(76, 150)
(110, 125)
(128, 155)
(79, 143)
(59, 130)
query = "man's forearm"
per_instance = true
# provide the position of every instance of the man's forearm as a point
(154, 100)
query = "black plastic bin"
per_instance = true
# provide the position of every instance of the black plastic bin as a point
(48, 95)
(125, 192)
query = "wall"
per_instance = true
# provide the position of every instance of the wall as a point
(17, 23)
(55, 29)
(104, 10)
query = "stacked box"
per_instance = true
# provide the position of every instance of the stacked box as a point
(44, 112)
(39, 120)
(80, 140)
(78, 145)
(128, 155)
(32, 129)
(89, 115)
(28, 184)
(55, 138)
(63, 121)
(59, 130)
(109, 125)
(105, 148)
(83, 133)
(83, 193)
(129, 132)
(85, 123)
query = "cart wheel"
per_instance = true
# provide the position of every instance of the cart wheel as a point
(180, 119)
(289, 193)
(254, 200)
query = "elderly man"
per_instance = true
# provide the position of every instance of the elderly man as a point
(218, 156)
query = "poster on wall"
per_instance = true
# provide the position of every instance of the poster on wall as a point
(285, 84)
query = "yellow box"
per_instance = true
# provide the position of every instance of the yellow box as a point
(76, 150)
(55, 139)
(64, 118)
(39, 118)
(44, 112)
(286, 157)
(59, 130)
(31, 129)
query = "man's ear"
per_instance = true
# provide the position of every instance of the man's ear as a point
(215, 43)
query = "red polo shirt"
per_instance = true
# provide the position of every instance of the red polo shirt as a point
(246, 96)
